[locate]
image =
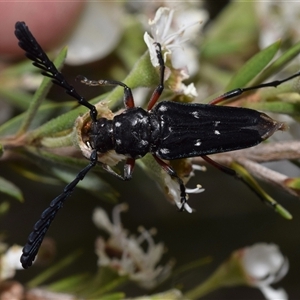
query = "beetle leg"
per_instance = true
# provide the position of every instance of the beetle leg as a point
(170, 171)
(128, 169)
(159, 89)
(40, 228)
(128, 97)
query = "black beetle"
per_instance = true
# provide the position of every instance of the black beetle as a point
(167, 130)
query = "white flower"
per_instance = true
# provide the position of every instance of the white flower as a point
(264, 265)
(124, 253)
(10, 262)
(174, 191)
(256, 266)
(173, 38)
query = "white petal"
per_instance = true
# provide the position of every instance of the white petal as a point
(272, 294)
(178, 58)
(160, 25)
(264, 263)
(152, 49)
(189, 90)
(192, 20)
(10, 262)
(96, 34)
(101, 220)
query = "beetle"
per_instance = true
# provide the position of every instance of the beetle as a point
(168, 130)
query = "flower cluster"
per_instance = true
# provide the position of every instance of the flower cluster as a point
(173, 41)
(264, 265)
(124, 253)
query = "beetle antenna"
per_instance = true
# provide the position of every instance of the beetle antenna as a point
(40, 60)
(40, 228)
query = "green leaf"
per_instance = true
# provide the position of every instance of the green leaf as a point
(18, 99)
(292, 109)
(253, 184)
(114, 296)
(252, 67)
(70, 284)
(232, 32)
(58, 124)
(143, 74)
(45, 112)
(10, 189)
(92, 183)
(64, 168)
(278, 64)
(33, 175)
(63, 122)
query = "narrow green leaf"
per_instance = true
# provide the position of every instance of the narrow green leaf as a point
(226, 34)
(278, 64)
(114, 296)
(253, 184)
(192, 265)
(10, 189)
(70, 284)
(92, 183)
(143, 74)
(252, 67)
(64, 168)
(16, 98)
(63, 122)
(33, 175)
(108, 287)
(280, 107)
(58, 124)
(46, 112)
(18, 69)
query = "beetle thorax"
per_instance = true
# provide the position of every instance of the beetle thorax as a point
(101, 135)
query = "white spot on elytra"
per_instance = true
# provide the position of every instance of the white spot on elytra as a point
(163, 108)
(144, 142)
(217, 123)
(217, 132)
(164, 150)
(144, 120)
(118, 124)
(118, 142)
(198, 143)
(195, 114)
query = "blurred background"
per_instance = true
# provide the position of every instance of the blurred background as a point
(104, 40)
